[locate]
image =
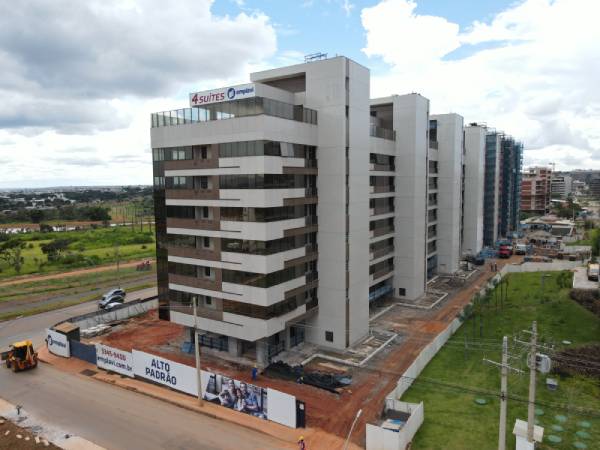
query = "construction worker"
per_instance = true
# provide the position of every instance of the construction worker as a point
(301, 443)
(254, 372)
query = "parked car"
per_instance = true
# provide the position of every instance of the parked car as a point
(114, 296)
(521, 249)
(112, 305)
(592, 272)
(505, 251)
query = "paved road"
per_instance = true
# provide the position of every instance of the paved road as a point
(35, 301)
(119, 419)
(33, 327)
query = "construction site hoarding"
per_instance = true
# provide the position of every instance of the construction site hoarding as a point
(163, 371)
(58, 343)
(234, 394)
(115, 360)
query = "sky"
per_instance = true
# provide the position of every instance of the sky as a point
(80, 79)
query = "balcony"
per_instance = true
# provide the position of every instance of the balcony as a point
(382, 189)
(382, 167)
(192, 252)
(382, 231)
(375, 254)
(192, 194)
(187, 164)
(433, 144)
(383, 133)
(194, 224)
(380, 210)
(381, 273)
(229, 110)
(202, 283)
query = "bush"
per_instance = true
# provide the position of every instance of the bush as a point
(589, 299)
(144, 247)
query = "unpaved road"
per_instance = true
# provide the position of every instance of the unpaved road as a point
(53, 276)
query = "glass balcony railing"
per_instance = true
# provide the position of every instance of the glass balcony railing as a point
(230, 110)
(384, 133)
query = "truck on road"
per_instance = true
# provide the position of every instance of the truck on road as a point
(592, 271)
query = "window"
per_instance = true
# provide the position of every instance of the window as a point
(402, 292)
(203, 152)
(206, 242)
(207, 272)
(329, 336)
(203, 183)
(204, 212)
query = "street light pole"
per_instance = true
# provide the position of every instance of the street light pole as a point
(532, 373)
(358, 413)
(197, 350)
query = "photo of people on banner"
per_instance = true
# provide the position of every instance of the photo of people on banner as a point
(235, 394)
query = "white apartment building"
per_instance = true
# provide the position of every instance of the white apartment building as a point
(472, 241)
(450, 152)
(561, 185)
(286, 205)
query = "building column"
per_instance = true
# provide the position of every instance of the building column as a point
(286, 338)
(234, 346)
(262, 358)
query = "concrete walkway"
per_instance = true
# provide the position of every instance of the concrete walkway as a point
(580, 279)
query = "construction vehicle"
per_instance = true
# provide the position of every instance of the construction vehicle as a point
(20, 356)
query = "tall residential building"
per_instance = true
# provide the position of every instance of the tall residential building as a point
(475, 140)
(286, 205)
(561, 185)
(502, 193)
(535, 190)
(450, 153)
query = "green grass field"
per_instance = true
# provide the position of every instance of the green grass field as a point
(455, 378)
(96, 246)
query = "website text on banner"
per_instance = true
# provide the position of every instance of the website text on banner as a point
(115, 360)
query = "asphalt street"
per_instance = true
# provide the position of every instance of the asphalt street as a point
(34, 327)
(116, 418)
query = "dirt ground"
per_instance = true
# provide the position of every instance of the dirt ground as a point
(13, 437)
(32, 278)
(333, 413)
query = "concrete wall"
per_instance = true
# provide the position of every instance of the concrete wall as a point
(474, 187)
(450, 161)
(381, 439)
(130, 309)
(411, 121)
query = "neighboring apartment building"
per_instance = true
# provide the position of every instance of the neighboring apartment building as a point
(536, 190)
(502, 192)
(475, 139)
(561, 185)
(450, 160)
(268, 207)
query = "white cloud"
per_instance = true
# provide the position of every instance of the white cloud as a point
(88, 74)
(531, 71)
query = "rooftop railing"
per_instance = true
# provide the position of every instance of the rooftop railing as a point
(229, 110)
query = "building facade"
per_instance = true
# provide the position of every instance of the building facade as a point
(272, 196)
(502, 181)
(475, 142)
(536, 187)
(561, 185)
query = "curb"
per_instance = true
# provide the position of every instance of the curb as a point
(177, 404)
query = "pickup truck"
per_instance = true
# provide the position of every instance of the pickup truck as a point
(521, 249)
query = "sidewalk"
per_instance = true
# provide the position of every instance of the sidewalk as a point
(314, 438)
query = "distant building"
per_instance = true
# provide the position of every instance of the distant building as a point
(535, 190)
(561, 185)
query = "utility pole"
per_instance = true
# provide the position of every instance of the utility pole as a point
(532, 373)
(505, 367)
(197, 350)
(503, 394)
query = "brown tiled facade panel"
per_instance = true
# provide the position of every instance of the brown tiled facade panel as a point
(213, 254)
(300, 170)
(209, 313)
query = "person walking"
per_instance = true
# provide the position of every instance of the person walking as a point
(301, 443)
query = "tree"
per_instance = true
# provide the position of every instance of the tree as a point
(45, 228)
(55, 248)
(37, 215)
(10, 252)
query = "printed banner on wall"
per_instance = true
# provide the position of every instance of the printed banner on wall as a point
(235, 394)
(58, 343)
(163, 371)
(115, 360)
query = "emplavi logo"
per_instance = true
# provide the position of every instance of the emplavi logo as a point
(231, 93)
